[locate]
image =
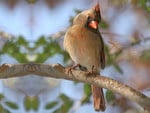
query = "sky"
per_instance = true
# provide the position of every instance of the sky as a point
(38, 19)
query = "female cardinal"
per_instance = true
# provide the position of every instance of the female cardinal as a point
(85, 46)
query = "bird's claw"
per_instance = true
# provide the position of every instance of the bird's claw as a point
(91, 72)
(70, 68)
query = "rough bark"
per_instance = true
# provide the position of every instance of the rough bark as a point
(60, 72)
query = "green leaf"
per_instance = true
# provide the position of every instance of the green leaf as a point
(6, 111)
(67, 103)
(20, 57)
(1, 108)
(52, 48)
(109, 57)
(148, 9)
(116, 66)
(35, 103)
(87, 89)
(49, 47)
(31, 1)
(87, 93)
(142, 2)
(51, 105)
(31, 103)
(41, 41)
(66, 56)
(41, 57)
(77, 11)
(145, 56)
(27, 103)
(21, 41)
(103, 24)
(57, 111)
(110, 96)
(65, 99)
(1, 97)
(11, 105)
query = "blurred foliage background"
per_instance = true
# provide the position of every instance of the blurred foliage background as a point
(125, 29)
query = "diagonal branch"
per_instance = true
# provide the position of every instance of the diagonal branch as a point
(59, 72)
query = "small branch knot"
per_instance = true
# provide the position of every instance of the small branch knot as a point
(4, 67)
(58, 67)
(30, 67)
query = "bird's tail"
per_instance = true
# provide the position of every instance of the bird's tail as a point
(98, 95)
(98, 98)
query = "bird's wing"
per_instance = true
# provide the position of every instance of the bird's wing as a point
(102, 52)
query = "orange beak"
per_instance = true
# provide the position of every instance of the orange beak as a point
(93, 24)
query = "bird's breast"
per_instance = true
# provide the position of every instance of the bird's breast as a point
(83, 46)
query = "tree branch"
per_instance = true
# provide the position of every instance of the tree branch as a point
(59, 72)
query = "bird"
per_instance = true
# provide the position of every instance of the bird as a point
(85, 45)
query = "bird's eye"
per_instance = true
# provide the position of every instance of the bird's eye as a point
(88, 17)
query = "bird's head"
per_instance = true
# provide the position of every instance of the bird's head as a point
(89, 18)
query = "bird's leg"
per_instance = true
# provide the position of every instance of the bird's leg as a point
(75, 66)
(91, 72)
(70, 68)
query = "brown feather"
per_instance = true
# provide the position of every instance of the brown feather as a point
(98, 98)
(87, 49)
